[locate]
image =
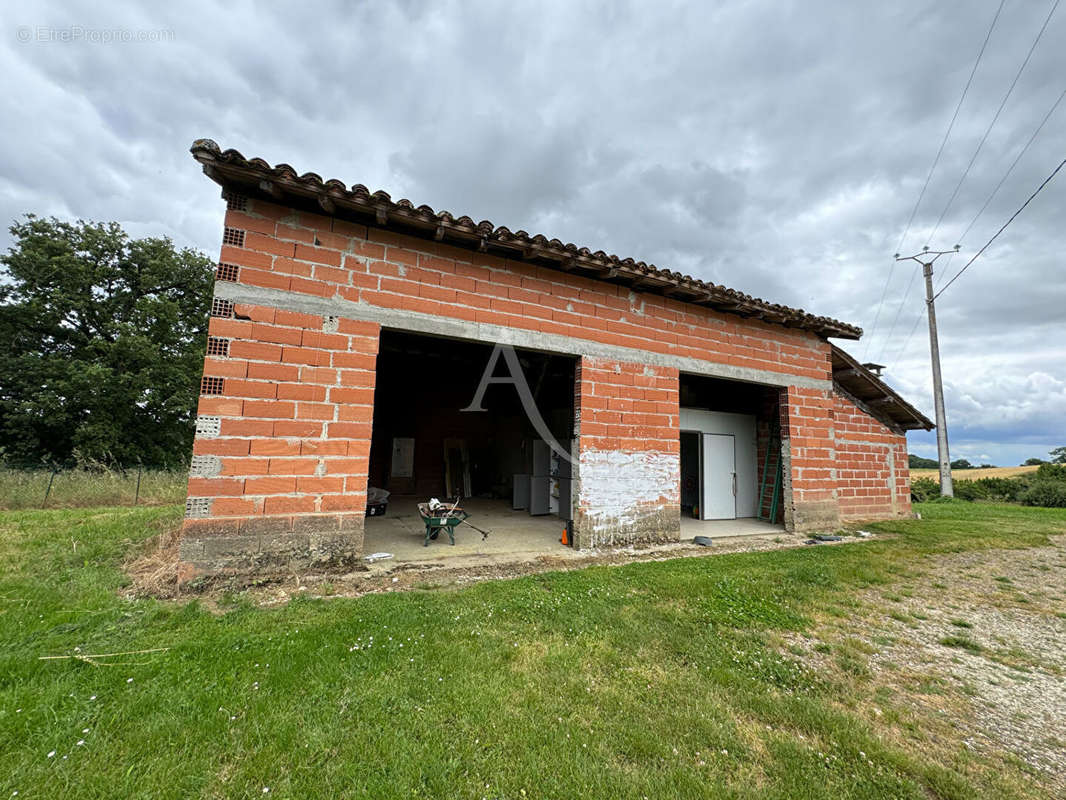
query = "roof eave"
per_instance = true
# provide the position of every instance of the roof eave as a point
(885, 403)
(281, 184)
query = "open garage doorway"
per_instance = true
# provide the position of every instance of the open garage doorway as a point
(731, 459)
(425, 445)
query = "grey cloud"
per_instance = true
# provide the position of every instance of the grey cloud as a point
(777, 148)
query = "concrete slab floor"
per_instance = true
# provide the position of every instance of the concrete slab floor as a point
(727, 528)
(514, 536)
(401, 532)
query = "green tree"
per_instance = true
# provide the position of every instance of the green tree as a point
(101, 344)
(1058, 455)
(1033, 462)
(961, 463)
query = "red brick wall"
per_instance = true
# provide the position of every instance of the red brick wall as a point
(628, 423)
(807, 433)
(295, 408)
(294, 413)
(389, 270)
(872, 474)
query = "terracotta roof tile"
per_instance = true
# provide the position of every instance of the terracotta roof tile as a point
(281, 182)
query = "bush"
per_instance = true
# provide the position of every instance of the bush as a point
(970, 490)
(1045, 493)
(1005, 490)
(1046, 487)
(1051, 472)
(924, 489)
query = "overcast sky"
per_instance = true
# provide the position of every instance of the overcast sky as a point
(777, 148)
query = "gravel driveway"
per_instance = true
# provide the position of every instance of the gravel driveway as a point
(976, 641)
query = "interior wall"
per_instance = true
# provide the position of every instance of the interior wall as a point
(768, 421)
(424, 382)
(742, 428)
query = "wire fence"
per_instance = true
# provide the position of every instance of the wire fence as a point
(25, 487)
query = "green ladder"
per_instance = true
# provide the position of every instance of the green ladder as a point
(773, 457)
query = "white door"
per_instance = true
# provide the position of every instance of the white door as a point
(719, 477)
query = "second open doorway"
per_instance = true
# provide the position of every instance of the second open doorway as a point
(731, 456)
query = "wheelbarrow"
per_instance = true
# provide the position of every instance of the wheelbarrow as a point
(444, 517)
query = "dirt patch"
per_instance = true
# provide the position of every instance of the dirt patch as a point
(979, 638)
(152, 567)
(461, 571)
(153, 570)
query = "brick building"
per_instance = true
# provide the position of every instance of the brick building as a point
(347, 328)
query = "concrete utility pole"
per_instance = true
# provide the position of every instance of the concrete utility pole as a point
(926, 259)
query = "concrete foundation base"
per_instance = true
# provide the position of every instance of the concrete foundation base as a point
(269, 544)
(657, 526)
(814, 515)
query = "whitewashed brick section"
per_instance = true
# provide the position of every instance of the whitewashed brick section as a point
(618, 490)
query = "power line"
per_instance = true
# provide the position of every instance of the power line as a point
(940, 291)
(992, 124)
(907, 341)
(917, 320)
(1040, 188)
(1014, 163)
(951, 125)
(928, 177)
(895, 320)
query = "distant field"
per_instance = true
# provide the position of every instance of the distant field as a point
(974, 474)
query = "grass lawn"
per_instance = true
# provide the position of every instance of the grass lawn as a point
(662, 679)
